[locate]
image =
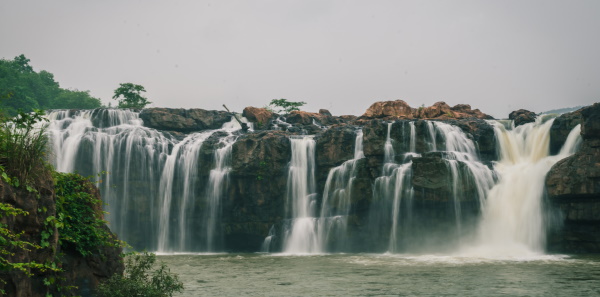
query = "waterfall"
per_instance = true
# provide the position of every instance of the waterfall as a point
(337, 198)
(114, 141)
(153, 186)
(513, 221)
(394, 214)
(217, 183)
(300, 198)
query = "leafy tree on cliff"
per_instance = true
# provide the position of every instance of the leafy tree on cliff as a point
(284, 106)
(130, 96)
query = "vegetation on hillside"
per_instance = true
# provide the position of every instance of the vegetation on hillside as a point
(22, 88)
(78, 219)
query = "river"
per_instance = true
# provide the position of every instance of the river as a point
(384, 275)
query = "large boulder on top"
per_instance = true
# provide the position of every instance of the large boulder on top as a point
(183, 120)
(522, 116)
(438, 109)
(395, 109)
(391, 110)
(260, 116)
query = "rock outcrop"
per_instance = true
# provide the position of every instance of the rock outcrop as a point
(183, 120)
(260, 116)
(561, 127)
(522, 116)
(83, 272)
(573, 185)
(399, 109)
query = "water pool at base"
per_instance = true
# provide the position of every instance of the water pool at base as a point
(384, 275)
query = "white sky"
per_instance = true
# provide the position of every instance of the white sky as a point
(497, 56)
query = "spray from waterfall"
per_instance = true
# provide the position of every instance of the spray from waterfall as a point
(301, 198)
(513, 220)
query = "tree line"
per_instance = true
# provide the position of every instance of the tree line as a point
(23, 89)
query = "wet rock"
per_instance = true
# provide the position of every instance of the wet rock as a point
(573, 186)
(561, 127)
(335, 145)
(522, 116)
(260, 116)
(183, 120)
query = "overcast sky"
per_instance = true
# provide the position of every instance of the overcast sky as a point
(497, 56)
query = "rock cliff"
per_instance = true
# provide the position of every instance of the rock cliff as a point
(573, 185)
(76, 270)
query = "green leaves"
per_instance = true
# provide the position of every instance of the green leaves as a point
(130, 96)
(79, 215)
(282, 105)
(140, 280)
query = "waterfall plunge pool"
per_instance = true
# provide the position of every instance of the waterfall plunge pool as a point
(384, 275)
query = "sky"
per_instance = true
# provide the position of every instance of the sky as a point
(341, 55)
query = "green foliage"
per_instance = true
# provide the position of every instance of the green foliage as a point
(79, 216)
(130, 96)
(284, 106)
(140, 280)
(11, 242)
(21, 88)
(23, 146)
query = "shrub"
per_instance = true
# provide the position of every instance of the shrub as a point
(23, 146)
(139, 280)
(79, 213)
(282, 105)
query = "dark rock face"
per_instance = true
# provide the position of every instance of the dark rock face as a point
(560, 129)
(522, 116)
(573, 185)
(257, 188)
(83, 272)
(183, 120)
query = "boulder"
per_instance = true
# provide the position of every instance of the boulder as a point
(183, 120)
(325, 112)
(399, 109)
(437, 110)
(522, 116)
(260, 116)
(389, 109)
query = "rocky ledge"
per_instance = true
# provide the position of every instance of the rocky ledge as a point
(573, 185)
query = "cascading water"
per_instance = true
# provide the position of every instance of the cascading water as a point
(300, 198)
(337, 197)
(153, 183)
(513, 220)
(393, 191)
(114, 141)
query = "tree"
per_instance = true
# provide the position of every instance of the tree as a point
(130, 96)
(282, 105)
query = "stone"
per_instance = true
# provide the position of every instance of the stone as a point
(522, 116)
(184, 120)
(394, 109)
(561, 127)
(260, 116)
(325, 112)
(573, 187)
